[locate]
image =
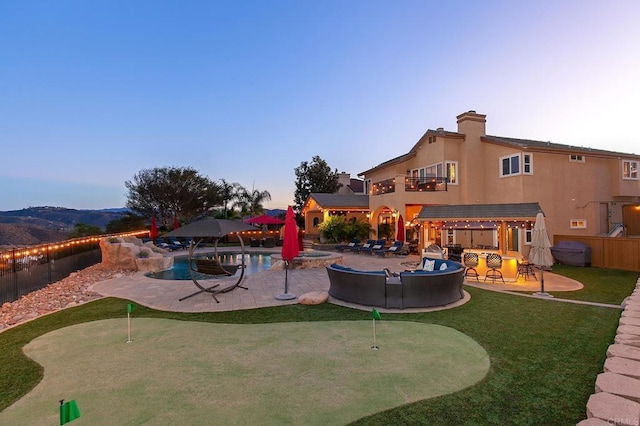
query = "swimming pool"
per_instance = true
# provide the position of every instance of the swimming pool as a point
(254, 263)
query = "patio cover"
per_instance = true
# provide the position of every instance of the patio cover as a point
(480, 212)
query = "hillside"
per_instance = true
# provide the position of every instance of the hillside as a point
(36, 225)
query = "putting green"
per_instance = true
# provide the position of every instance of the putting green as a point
(177, 372)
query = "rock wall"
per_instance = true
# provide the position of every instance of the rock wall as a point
(129, 253)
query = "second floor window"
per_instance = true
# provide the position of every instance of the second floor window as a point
(629, 169)
(510, 165)
(452, 172)
(516, 164)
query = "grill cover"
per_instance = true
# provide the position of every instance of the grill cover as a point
(573, 253)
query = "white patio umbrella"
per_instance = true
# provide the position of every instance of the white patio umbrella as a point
(540, 254)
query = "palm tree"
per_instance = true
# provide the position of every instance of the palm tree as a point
(230, 193)
(250, 203)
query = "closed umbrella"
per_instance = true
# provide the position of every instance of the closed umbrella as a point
(290, 250)
(401, 233)
(540, 254)
(176, 223)
(153, 234)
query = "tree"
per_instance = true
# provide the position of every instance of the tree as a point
(128, 222)
(250, 203)
(167, 192)
(84, 230)
(314, 177)
(229, 193)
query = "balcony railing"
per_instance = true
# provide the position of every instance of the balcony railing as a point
(425, 184)
(383, 187)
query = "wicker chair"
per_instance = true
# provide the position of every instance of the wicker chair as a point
(494, 263)
(471, 263)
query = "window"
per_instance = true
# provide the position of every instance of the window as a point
(434, 170)
(367, 186)
(452, 172)
(528, 236)
(630, 169)
(527, 164)
(510, 165)
(576, 158)
(578, 224)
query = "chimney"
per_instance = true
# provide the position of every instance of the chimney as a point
(344, 178)
(472, 124)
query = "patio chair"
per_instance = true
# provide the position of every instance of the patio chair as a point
(354, 243)
(494, 263)
(365, 246)
(162, 243)
(471, 261)
(396, 248)
(376, 246)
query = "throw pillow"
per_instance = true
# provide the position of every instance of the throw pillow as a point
(443, 266)
(429, 264)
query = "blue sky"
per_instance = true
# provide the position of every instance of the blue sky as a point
(92, 92)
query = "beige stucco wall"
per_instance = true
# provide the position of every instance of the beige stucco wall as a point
(592, 190)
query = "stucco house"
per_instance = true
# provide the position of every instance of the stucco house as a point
(469, 188)
(350, 201)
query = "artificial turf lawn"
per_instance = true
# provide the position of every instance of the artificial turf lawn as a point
(321, 372)
(544, 355)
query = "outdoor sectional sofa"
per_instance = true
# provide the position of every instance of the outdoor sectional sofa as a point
(408, 289)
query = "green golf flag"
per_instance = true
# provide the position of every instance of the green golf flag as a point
(68, 411)
(130, 307)
(375, 314)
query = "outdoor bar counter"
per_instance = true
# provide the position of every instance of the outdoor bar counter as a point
(509, 263)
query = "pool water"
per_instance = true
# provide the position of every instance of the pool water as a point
(254, 263)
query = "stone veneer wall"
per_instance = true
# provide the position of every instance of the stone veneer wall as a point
(617, 397)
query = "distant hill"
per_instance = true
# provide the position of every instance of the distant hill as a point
(36, 225)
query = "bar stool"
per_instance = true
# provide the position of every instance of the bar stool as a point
(494, 263)
(471, 262)
(525, 269)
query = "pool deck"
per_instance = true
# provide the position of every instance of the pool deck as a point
(263, 287)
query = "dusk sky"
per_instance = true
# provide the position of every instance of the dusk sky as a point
(92, 92)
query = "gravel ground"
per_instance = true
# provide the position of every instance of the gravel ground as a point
(66, 293)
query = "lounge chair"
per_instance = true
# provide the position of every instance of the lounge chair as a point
(378, 245)
(365, 246)
(354, 243)
(396, 248)
(160, 242)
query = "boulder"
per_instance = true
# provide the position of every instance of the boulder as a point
(313, 298)
(133, 256)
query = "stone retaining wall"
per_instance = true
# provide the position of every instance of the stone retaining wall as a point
(617, 397)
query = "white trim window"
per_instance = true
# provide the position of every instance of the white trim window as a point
(576, 158)
(630, 169)
(516, 164)
(367, 186)
(434, 170)
(528, 236)
(510, 165)
(527, 164)
(578, 223)
(452, 172)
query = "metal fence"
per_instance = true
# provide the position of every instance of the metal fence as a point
(23, 270)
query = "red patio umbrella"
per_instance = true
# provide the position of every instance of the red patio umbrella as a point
(401, 232)
(153, 234)
(290, 250)
(264, 219)
(176, 223)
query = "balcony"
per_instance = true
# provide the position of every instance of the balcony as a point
(422, 184)
(425, 184)
(383, 187)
